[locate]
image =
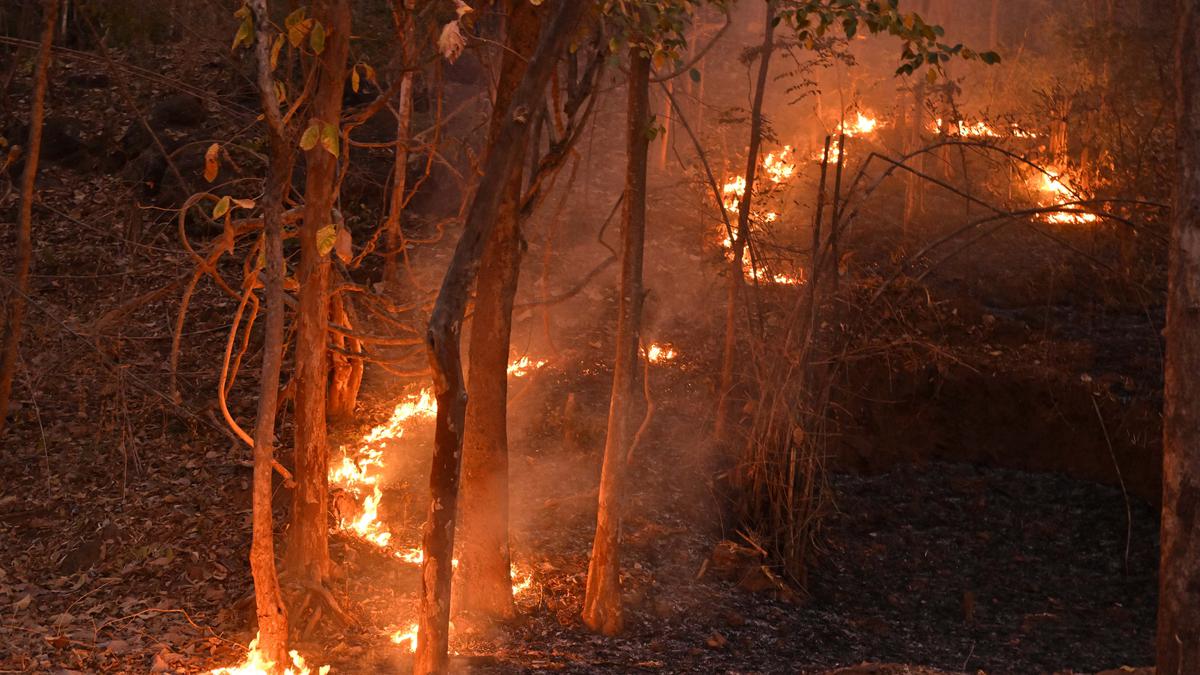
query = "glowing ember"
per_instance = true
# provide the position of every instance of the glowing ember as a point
(406, 636)
(257, 664)
(524, 365)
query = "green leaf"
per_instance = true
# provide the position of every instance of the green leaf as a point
(329, 138)
(326, 238)
(311, 135)
(245, 34)
(222, 207)
(316, 39)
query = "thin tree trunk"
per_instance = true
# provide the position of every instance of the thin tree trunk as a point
(346, 371)
(402, 11)
(308, 546)
(602, 601)
(268, 596)
(1179, 570)
(16, 302)
(484, 572)
(443, 340)
(737, 280)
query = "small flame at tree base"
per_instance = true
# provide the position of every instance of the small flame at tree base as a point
(256, 663)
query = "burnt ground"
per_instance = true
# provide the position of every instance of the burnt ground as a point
(124, 518)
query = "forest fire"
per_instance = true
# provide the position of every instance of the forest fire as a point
(1056, 191)
(406, 637)
(359, 472)
(593, 336)
(861, 125)
(257, 664)
(660, 353)
(978, 129)
(524, 366)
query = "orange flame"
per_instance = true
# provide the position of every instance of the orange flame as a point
(256, 663)
(1057, 192)
(660, 353)
(525, 365)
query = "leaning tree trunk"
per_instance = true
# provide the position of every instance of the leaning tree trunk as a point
(443, 340)
(737, 282)
(308, 546)
(16, 303)
(485, 579)
(1179, 570)
(602, 602)
(268, 596)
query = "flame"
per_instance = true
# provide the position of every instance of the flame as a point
(779, 167)
(524, 365)
(1057, 192)
(407, 635)
(978, 129)
(861, 125)
(659, 353)
(521, 582)
(358, 472)
(257, 664)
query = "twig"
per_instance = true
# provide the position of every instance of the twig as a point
(1120, 479)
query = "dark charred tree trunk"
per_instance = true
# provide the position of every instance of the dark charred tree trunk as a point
(443, 339)
(484, 572)
(737, 282)
(1179, 571)
(602, 603)
(268, 596)
(308, 546)
(15, 320)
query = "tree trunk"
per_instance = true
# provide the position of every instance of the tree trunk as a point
(484, 572)
(346, 371)
(737, 280)
(16, 303)
(602, 602)
(308, 546)
(402, 12)
(443, 338)
(268, 596)
(1179, 570)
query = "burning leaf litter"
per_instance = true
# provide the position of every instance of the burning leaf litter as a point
(256, 663)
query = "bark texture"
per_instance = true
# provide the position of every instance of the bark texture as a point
(308, 546)
(14, 321)
(1179, 570)
(602, 610)
(484, 572)
(268, 596)
(443, 340)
